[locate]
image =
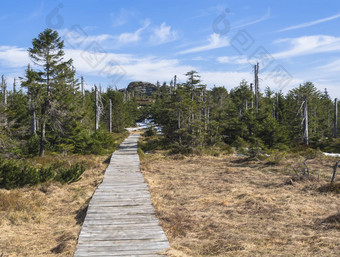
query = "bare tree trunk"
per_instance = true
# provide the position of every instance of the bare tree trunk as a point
(252, 100)
(335, 129)
(43, 129)
(4, 89)
(256, 67)
(277, 107)
(82, 86)
(14, 86)
(205, 111)
(110, 115)
(175, 81)
(42, 138)
(305, 124)
(33, 123)
(96, 109)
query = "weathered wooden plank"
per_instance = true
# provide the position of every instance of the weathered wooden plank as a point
(144, 246)
(120, 220)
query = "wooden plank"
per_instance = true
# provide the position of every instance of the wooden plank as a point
(120, 220)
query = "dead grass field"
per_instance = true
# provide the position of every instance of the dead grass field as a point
(46, 220)
(227, 206)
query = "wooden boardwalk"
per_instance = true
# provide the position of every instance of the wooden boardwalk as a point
(120, 220)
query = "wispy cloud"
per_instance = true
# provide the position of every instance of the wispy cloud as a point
(125, 38)
(77, 37)
(307, 45)
(232, 59)
(214, 41)
(266, 16)
(121, 17)
(333, 66)
(163, 34)
(311, 23)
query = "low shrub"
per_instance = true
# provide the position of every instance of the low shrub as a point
(18, 174)
(150, 131)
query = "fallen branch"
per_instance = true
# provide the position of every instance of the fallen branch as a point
(335, 168)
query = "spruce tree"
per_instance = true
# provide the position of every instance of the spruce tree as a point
(56, 82)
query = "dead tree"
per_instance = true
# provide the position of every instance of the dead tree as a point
(335, 129)
(277, 107)
(256, 71)
(14, 86)
(33, 120)
(305, 122)
(205, 110)
(110, 115)
(82, 86)
(96, 108)
(175, 82)
(252, 100)
(4, 90)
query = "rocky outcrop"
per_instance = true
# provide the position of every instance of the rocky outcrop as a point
(140, 88)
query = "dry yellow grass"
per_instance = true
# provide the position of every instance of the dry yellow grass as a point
(226, 206)
(46, 220)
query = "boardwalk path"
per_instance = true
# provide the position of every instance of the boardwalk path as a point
(120, 220)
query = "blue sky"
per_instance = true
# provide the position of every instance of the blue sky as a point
(115, 42)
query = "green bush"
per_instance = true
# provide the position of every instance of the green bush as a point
(15, 174)
(240, 143)
(33, 145)
(276, 157)
(150, 132)
(70, 175)
(181, 149)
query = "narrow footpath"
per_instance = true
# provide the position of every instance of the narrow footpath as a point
(120, 220)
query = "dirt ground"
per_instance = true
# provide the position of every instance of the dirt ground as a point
(46, 220)
(228, 206)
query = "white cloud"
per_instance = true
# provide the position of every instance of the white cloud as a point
(309, 45)
(266, 16)
(333, 66)
(12, 56)
(215, 41)
(151, 68)
(77, 37)
(311, 23)
(125, 38)
(232, 59)
(163, 34)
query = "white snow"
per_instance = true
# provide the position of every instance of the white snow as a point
(332, 154)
